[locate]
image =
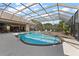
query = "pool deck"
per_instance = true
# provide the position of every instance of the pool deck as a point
(12, 46)
(70, 44)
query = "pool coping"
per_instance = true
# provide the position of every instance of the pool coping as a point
(39, 44)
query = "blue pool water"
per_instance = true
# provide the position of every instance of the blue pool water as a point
(39, 39)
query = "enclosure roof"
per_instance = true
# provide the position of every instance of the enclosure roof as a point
(38, 11)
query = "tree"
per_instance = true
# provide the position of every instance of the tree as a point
(61, 25)
(48, 26)
(64, 27)
(39, 25)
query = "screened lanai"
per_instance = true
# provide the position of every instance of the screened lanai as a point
(38, 11)
(42, 12)
(16, 25)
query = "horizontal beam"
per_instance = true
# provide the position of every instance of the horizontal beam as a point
(35, 11)
(64, 5)
(23, 9)
(66, 12)
(12, 21)
(52, 15)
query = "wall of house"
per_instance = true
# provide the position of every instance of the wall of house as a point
(11, 27)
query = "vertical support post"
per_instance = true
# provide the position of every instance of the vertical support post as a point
(58, 11)
(27, 27)
(8, 28)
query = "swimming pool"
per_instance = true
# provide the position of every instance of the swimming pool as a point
(35, 38)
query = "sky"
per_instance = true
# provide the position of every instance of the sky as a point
(52, 22)
(38, 7)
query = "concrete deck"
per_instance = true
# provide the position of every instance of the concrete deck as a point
(70, 44)
(11, 46)
(71, 47)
